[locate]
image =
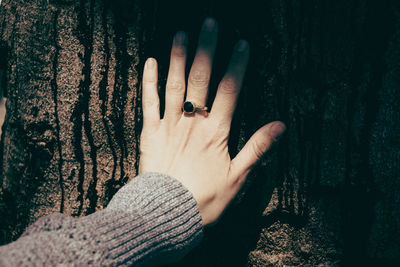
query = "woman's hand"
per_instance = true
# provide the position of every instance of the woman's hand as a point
(193, 148)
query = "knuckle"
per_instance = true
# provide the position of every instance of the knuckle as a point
(228, 86)
(222, 129)
(258, 148)
(176, 86)
(178, 51)
(237, 61)
(199, 78)
(149, 81)
(148, 103)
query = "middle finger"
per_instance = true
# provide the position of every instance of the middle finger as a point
(199, 76)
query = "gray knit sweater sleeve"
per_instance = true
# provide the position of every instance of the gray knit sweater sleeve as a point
(152, 220)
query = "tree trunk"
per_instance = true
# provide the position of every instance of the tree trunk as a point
(70, 136)
(327, 194)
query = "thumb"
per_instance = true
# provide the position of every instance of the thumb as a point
(253, 150)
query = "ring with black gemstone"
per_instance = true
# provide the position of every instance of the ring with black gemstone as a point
(190, 107)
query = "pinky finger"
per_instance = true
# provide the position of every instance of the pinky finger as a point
(150, 99)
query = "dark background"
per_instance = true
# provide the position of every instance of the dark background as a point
(327, 194)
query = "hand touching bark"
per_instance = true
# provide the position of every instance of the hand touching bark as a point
(193, 148)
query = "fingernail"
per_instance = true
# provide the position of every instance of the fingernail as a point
(149, 63)
(180, 38)
(241, 46)
(209, 25)
(277, 129)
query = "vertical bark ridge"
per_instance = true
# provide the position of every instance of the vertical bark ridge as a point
(92, 190)
(81, 116)
(138, 114)
(103, 95)
(69, 74)
(362, 189)
(119, 95)
(57, 120)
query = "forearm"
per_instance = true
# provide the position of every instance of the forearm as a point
(153, 219)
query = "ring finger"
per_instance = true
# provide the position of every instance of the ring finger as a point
(175, 89)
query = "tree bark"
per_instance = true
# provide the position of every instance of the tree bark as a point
(327, 194)
(70, 136)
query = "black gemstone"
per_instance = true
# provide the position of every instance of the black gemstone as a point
(188, 107)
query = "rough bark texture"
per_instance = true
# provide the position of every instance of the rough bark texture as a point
(70, 137)
(327, 194)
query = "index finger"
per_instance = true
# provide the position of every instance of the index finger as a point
(229, 88)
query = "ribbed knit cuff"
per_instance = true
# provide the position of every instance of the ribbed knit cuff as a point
(170, 223)
(152, 220)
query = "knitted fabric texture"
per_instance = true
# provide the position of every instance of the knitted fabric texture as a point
(150, 221)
